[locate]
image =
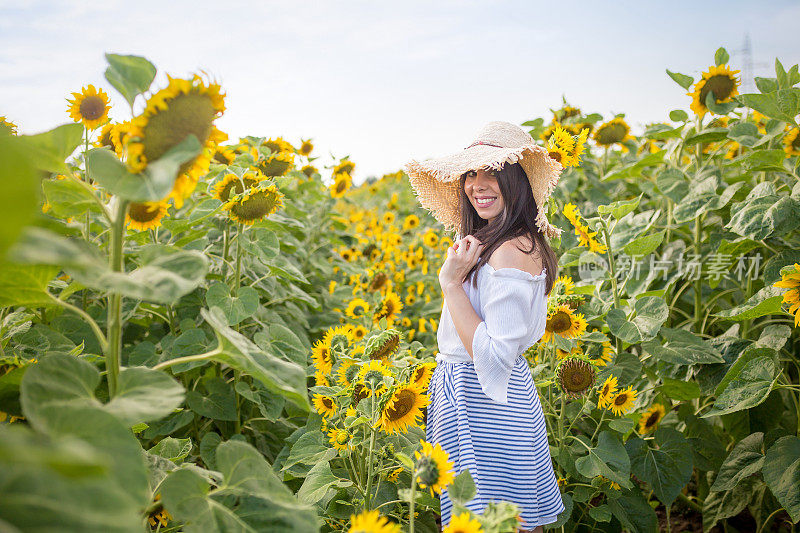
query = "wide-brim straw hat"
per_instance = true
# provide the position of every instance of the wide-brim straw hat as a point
(436, 181)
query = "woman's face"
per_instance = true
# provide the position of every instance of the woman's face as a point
(482, 185)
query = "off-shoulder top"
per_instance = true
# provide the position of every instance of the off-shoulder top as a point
(513, 306)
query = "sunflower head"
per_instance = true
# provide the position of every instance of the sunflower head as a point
(372, 522)
(389, 309)
(309, 170)
(277, 163)
(90, 106)
(612, 132)
(278, 144)
(403, 408)
(622, 401)
(341, 183)
(719, 80)
(345, 166)
(232, 184)
(143, 216)
(575, 376)
(433, 468)
(339, 338)
(6, 126)
(254, 204)
(382, 345)
(650, 418)
(306, 148)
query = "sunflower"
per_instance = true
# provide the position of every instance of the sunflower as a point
(430, 239)
(357, 308)
(607, 391)
(562, 321)
(378, 280)
(277, 164)
(612, 484)
(410, 222)
(382, 345)
(6, 126)
(570, 211)
(371, 376)
(321, 379)
(143, 216)
(348, 372)
(549, 130)
(339, 338)
(586, 238)
(388, 218)
(463, 523)
(232, 183)
(325, 405)
(278, 144)
(113, 135)
(622, 401)
(403, 408)
(359, 392)
(393, 476)
(575, 376)
(184, 107)
(565, 113)
(344, 167)
(651, 418)
(305, 148)
(309, 170)
(341, 182)
(321, 355)
(372, 522)
(340, 439)
(721, 81)
(434, 471)
(791, 280)
(254, 204)
(422, 374)
(90, 106)
(580, 146)
(566, 284)
(792, 142)
(559, 154)
(389, 309)
(614, 131)
(223, 155)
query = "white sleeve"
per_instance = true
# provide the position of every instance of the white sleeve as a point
(499, 339)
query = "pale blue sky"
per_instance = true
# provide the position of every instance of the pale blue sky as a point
(386, 82)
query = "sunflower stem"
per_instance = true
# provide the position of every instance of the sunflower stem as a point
(238, 278)
(189, 358)
(698, 287)
(612, 267)
(115, 299)
(412, 498)
(368, 495)
(599, 423)
(92, 324)
(225, 244)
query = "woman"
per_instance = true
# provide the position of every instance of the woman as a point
(484, 408)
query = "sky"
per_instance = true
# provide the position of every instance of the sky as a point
(387, 82)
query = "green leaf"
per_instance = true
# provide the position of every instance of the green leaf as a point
(750, 388)
(130, 75)
(176, 450)
(681, 79)
(721, 108)
(219, 402)
(707, 135)
(462, 489)
(185, 496)
(18, 203)
(667, 467)
(49, 150)
(721, 56)
(620, 208)
(145, 395)
(25, 285)
(318, 481)
(725, 504)
(758, 160)
(634, 512)
(745, 459)
(745, 133)
(608, 459)
(310, 448)
(766, 301)
(781, 104)
(150, 185)
(747, 355)
(650, 311)
(281, 377)
(645, 244)
(682, 347)
(678, 115)
(237, 308)
(680, 390)
(68, 198)
(782, 473)
(766, 85)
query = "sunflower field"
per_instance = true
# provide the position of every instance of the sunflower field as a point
(200, 334)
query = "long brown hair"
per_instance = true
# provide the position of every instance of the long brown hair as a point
(517, 219)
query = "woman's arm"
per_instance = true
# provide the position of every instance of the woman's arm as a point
(464, 317)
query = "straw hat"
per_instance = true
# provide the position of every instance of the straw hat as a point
(435, 181)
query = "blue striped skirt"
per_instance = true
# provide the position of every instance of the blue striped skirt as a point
(504, 446)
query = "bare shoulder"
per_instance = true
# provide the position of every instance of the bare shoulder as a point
(509, 255)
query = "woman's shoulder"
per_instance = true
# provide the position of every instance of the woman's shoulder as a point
(509, 255)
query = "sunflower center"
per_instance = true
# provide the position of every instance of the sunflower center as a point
(721, 85)
(257, 206)
(427, 470)
(556, 156)
(236, 185)
(620, 399)
(560, 322)
(611, 133)
(402, 405)
(92, 107)
(652, 419)
(143, 211)
(191, 113)
(328, 403)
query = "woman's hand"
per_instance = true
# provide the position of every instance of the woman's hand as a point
(460, 259)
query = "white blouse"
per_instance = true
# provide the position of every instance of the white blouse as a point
(513, 306)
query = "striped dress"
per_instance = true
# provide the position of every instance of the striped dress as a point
(486, 414)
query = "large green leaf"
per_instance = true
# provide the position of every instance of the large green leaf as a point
(682, 347)
(781, 104)
(767, 301)
(282, 377)
(650, 311)
(130, 75)
(145, 395)
(748, 389)
(748, 354)
(218, 402)
(725, 504)
(18, 203)
(634, 512)
(25, 285)
(764, 214)
(68, 198)
(608, 459)
(782, 473)
(61, 484)
(745, 459)
(185, 496)
(667, 466)
(49, 150)
(236, 308)
(153, 183)
(319, 480)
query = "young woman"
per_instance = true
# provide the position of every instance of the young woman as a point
(484, 408)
